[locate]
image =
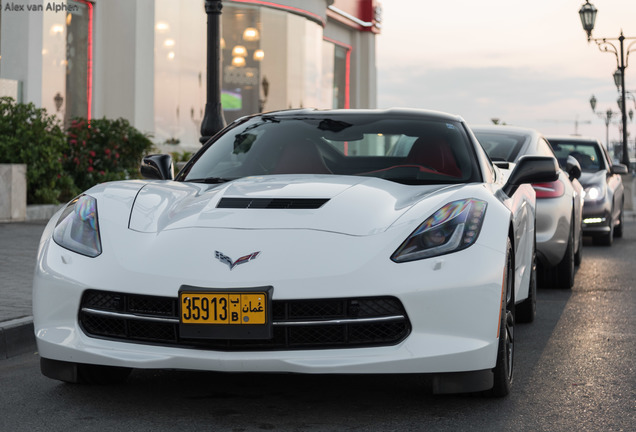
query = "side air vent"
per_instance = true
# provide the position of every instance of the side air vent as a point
(272, 203)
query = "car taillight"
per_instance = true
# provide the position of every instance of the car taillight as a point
(553, 189)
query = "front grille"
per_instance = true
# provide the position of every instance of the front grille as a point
(272, 203)
(298, 324)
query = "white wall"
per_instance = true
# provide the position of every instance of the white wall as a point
(123, 61)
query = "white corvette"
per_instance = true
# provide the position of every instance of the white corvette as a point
(355, 241)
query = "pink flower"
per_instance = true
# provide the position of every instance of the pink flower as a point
(90, 169)
(92, 153)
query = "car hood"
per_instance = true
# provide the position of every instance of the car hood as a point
(352, 205)
(592, 178)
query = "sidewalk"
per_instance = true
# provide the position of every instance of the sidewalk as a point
(18, 250)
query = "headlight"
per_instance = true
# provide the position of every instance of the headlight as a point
(450, 229)
(593, 193)
(77, 229)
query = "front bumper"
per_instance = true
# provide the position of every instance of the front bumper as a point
(596, 218)
(454, 316)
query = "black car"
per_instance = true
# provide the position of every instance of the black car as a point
(603, 206)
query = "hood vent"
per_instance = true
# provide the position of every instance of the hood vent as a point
(272, 203)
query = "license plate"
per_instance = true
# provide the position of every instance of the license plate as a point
(223, 308)
(238, 313)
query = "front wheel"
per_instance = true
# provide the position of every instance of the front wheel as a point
(527, 309)
(578, 255)
(618, 230)
(564, 271)
(503, 371)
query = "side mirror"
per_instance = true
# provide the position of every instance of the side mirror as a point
(157, 166)
(619, 169)
(573, 168)
(532, 169)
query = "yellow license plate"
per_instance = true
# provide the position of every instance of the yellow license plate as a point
(223, 308)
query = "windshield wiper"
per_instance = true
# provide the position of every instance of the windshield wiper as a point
(210, 180)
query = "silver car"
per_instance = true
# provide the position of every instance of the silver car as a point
(603, 208)
(559, 232)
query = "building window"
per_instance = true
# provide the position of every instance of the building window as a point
(180, 71)
(243, 87)
(271, 59)
(336, 64)
(79, 59)
(277, 66)
(67, 61)
(341, 77)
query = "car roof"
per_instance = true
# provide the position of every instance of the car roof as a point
(573, 138)
(506, 129)
(390, 112)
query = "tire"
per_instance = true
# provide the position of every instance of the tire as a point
(578, 255)
(618, 229)
(504, 368)
(527, 309)
(564, 271)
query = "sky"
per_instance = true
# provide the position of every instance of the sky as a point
(527, 63)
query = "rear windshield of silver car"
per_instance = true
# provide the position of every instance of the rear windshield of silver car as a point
(405, 150)
(501, 146)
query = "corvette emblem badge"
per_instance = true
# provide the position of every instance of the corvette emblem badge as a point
(242, 260)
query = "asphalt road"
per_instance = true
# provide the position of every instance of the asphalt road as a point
(575, 371)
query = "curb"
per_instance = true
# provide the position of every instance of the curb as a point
(37, 212)
(16, 337)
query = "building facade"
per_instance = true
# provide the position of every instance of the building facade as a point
(145, 60)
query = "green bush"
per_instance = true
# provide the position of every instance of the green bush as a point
(28, 135)
(59, 164)
(103, 150)
(181, 157)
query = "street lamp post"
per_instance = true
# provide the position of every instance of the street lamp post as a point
(587, 14)
(606, 117)
(213, 120)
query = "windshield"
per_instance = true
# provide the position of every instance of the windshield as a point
(588, 154)
(405, 150)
